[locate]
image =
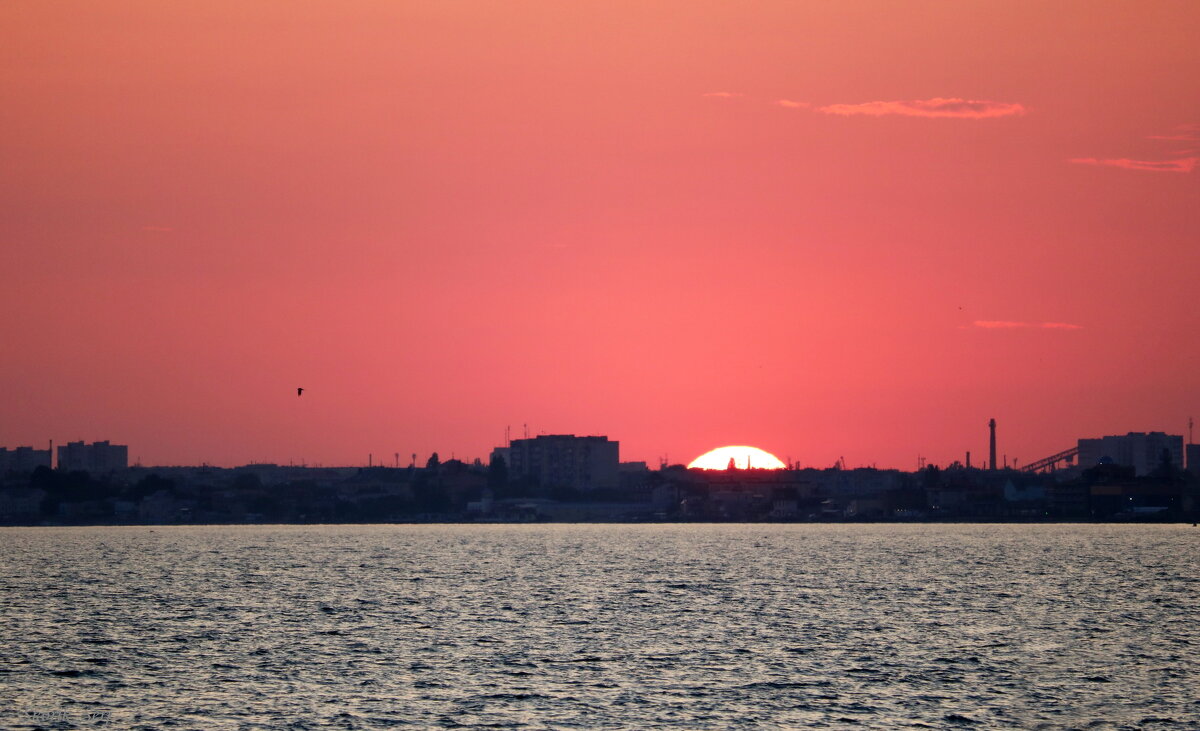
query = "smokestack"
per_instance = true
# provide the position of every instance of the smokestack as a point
(968, 459)
(992, 455)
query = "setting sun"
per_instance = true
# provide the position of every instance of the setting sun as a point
(744, 458)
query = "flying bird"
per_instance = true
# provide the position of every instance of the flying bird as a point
(299, 391)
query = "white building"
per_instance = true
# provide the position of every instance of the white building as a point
(1141, 451)
(23, 459)
(565, 460)
(97, 458)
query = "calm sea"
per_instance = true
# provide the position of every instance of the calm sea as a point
(601, 626)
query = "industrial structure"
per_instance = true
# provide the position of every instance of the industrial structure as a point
(992, 450)
(1051, 463)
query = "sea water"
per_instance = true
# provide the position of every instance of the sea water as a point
(600, 626)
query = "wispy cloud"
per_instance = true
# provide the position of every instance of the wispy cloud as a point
(1009, 324)
(791, 104)
(722, 94)
(936, 107)
(1181, 165)
(1182, 133)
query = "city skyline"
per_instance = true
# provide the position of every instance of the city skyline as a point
(1136, 449)
(831, 231)
(565, 477)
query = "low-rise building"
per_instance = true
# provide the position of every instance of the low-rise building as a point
(22, 504)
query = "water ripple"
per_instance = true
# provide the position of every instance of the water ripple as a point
(565, 626)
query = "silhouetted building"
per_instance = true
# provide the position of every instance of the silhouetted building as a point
(23, 459)
(1193, 459)
(564, 461)
(97, 458)
(1141, 451)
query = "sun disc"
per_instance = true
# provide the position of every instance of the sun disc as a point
(744, 458)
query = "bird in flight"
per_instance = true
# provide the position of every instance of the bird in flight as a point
(299, 391)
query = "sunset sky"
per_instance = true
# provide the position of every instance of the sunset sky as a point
(826, 229)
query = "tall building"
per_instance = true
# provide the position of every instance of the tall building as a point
(97, 458)
(1193, 459)
(23, 459)
(1141, 451)
(564, 460)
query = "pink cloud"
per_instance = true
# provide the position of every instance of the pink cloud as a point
(1183, 133)
(1009, 324)
(1182, 165)
(722, 94)
(157, 228)
(936, 107)
(791, 104)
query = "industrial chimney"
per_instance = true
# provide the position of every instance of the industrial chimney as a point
(992, 455)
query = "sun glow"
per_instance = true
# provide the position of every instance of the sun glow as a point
(744, 458)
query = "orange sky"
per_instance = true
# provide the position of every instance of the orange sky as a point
(825, 229)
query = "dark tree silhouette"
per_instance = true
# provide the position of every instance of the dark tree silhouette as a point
(151, 484)
(247, 481)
